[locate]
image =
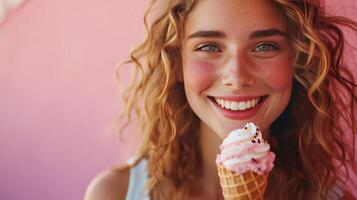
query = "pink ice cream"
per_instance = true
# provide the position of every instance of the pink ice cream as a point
(245, 150)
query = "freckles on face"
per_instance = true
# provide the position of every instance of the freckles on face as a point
(198, 74)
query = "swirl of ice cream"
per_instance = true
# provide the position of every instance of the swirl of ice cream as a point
(245, 150)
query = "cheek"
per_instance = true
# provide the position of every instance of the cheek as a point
(198, 74)
(278, 81)
(279, 76)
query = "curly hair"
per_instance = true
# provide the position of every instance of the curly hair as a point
(308, 138)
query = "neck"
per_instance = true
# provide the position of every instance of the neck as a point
(209, 143)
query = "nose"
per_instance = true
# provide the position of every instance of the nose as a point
(238, 73)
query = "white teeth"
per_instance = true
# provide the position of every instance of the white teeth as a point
(227, 104)
(242, 106)
(249, 104)
(235, 105)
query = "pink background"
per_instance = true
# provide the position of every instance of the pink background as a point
(58, 93)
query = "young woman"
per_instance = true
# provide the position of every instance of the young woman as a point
(280, 61)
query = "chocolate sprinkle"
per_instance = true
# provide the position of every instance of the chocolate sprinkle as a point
(258, 140)
(253, 141)
(245, 127)
(254, 160)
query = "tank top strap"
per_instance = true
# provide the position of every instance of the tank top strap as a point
(137, 182)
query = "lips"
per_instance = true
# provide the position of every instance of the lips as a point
(237, 108)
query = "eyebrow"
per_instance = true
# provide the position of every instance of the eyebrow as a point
(267, 33)
(207, 34)
(254, 35)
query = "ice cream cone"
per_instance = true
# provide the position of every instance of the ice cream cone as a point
(246, 186)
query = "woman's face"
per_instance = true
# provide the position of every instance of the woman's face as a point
(237, 66)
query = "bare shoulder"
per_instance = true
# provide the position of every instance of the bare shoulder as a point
(111, 184)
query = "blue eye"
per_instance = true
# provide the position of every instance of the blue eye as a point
(266, 47)
(208, 48)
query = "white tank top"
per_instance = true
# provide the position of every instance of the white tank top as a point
(137, 182)
(138, 179)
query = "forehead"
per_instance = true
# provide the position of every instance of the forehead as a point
(234, 16)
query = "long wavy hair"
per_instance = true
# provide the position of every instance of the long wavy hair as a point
(309, 138)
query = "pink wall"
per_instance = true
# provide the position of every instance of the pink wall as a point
(58, 94)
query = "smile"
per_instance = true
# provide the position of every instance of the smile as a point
(238, 108)
(237, 105)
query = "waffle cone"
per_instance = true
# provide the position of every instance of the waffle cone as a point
(247, 186)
